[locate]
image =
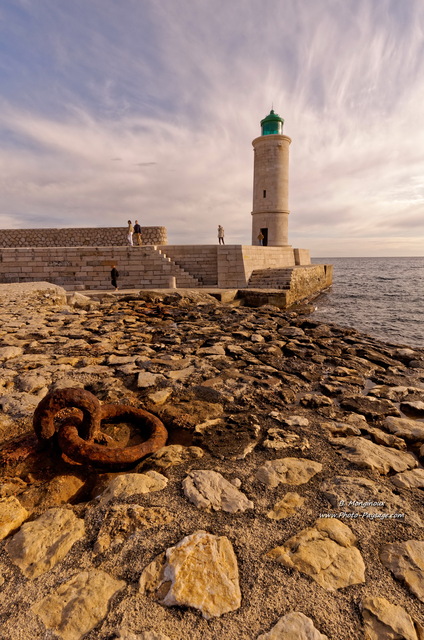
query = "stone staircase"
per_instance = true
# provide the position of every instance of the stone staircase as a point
(270, 278)
(158, 268)
(200, 264)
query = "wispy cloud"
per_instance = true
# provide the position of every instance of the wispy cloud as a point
(116, 110)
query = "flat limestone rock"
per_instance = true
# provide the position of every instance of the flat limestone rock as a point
(12, 515)
(122, 520)
(406, 561)
(405, 428)
(292, 471)
(279, 439)
(131, 484)
(326, 552)
(171, 456)
(364, 496)
(386, 621)
(369, 406)
(293, 626)
(409, 479)
(144, 635)
(210, 490)
(79, 604)
(286, 507)
(414, 408)
(146, 379)
(374, 456)
(200, 571)
(40, 545)
(6, 353)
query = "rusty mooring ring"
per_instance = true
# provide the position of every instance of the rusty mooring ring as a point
(55, 401)
(75, 437)
(80, 450)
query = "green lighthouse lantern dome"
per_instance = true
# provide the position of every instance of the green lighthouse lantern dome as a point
(273, 123)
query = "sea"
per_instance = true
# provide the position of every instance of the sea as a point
(383, 297)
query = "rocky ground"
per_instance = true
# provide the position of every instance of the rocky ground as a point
(288, 502)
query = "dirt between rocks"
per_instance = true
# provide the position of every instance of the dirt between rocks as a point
(238, 389)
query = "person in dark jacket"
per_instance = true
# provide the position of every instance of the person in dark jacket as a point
(137, 233)
(114, 275)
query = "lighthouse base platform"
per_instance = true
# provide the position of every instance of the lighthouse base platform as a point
(285, 270)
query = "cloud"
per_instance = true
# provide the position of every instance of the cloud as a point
(148, 110)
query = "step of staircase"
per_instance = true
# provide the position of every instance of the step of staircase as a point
(271, 278)
(183, 278)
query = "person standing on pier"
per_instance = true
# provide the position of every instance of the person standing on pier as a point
(114, 275)
(137, 233)
(130, 231)
(221, 234)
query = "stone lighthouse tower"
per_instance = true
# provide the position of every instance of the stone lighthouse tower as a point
(271, 184)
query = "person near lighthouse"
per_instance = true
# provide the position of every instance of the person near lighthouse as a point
(221, 234)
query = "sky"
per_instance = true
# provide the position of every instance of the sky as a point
(120, 109)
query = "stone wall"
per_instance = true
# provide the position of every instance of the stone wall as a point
(307, 281)
(237, 262)
(89, 267)
(82, 237)
(227, 267)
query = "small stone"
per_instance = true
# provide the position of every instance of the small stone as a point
(144, 635)
(292, 471)
(200, 571)
(293, 626)
(171, 456)
(79, 604)
(160, 397)
(406, 561)
(122, 520)
(279, 439)
(146, 379)
(31, 383)
(131, 484)
(326, 552)
(296, 421)
(386, 621)
(6, 353)
(369, 498)
(210, 490)
(12, 515)
(374, 456)
(413, 408)
(40, 545)
(411, 430)
(341, 429)
(409, 479)
(180, 374)
(369, 406)
(286, 507)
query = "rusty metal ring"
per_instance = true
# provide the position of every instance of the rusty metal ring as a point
(99, 455)
(55, 401)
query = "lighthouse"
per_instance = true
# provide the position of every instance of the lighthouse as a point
(270, 212)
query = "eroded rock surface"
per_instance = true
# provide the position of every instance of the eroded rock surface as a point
(79, 604)
(292, 471)
(200, 571)
(326, 552)
(406, 561)
(40, 545)
(293, 626)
